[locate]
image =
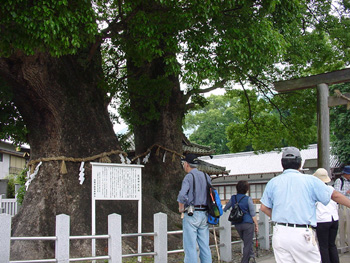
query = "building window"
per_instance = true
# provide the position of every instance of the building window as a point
(1, 157)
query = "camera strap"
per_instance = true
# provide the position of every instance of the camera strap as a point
(194, 188)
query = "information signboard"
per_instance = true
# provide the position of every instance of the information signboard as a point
(116, 182)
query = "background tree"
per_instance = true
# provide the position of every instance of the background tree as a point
(266, 124)
(340, 127)
(207, 125)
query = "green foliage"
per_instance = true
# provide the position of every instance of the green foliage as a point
(11, 186)
(17, 179)
(60, 27)
(265, 124)
(340, 126)
(12, 126)
(209, 123)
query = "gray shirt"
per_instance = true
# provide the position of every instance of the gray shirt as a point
(186, 193)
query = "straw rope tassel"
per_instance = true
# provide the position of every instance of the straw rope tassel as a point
(105, 159)
(63, 167)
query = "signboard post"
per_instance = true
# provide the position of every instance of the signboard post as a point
(116, 182)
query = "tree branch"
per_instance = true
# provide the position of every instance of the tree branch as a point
(188, 95)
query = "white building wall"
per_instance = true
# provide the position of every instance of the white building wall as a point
(4, 165)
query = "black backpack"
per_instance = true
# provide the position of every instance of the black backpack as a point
(236, 214)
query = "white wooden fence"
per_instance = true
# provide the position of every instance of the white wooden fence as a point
(8, 206)
(114, 237)
(343, 238)
(160, 235)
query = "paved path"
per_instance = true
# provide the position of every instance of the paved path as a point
(344, 258)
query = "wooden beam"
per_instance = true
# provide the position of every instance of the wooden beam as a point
(330, 78)
(335, 101)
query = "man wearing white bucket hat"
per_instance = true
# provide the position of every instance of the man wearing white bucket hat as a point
(327, 224)
(290, 200)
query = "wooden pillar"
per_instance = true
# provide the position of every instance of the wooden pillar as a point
(323, 127)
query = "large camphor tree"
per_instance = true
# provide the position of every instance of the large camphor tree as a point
(58, 70)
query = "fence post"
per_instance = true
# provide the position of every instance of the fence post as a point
(5, 237)
(347, 237)
(115, 238)
(62, 241)
(264, 231)
(160, 238)
(225, 238)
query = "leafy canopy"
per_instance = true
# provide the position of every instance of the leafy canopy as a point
(202, 43)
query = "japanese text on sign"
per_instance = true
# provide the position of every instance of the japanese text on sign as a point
(116, 183)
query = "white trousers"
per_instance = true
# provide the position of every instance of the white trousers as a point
(295, 245)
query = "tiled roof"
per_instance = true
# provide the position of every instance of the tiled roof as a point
(212, 169)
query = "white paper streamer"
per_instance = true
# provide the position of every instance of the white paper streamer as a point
(122, 159)
(81, 173)
(145, 160)
(31, 177)
(164, 157)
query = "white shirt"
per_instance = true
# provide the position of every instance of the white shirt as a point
(325, 213)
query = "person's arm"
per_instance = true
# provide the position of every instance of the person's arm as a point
(340, 198)
(266, 210)
(228, 205)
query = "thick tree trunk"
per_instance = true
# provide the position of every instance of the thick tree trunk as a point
(162, 175)
(64, 107)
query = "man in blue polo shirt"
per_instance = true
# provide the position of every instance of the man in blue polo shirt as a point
(290, 200)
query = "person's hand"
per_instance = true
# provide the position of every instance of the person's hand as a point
(181, 208)
(256, 228)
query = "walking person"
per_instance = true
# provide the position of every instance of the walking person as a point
(192, 201)
(290, 200)
(249, 224)
(342, 184)
(327, 224)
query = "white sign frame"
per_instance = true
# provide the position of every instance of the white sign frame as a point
(108, 183)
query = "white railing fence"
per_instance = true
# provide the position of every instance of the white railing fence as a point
(115, 236)
(343, 238)
(224, 241)
(8, 206)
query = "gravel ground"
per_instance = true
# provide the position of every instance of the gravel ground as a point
(236, 255)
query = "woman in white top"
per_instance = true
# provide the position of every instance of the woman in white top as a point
(327, 224)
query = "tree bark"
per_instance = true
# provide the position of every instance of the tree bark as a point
(162, 176)
(63, 103)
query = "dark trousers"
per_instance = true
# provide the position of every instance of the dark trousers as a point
(246, 233)
(326, 235)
